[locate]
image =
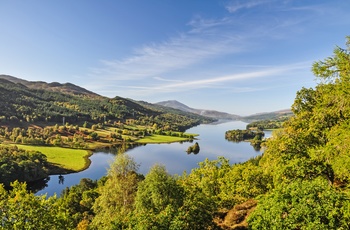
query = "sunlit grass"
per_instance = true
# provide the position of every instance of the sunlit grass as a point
(71, 159)
(160, 139)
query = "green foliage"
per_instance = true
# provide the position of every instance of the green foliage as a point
(243, 182)
(157, 201)
(302, 204)
(19, 104)
(193, 148)
(242, 135)
(23, 210)
(309, 159)
(268, 124)
(196, 213)
(94, 136)
(208, 179)
(116, 197)
(21, 165)
(78, 200)
(255, 137)
(268, 116)
(336, 151)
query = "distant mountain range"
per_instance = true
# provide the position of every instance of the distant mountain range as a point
(208, 113)
(225, 116)
(268, 115)
(24, 98)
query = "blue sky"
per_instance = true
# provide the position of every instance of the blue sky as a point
(241, 57)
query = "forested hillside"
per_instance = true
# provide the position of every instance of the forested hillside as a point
(300, 182)
(53, 87)
(39, 103)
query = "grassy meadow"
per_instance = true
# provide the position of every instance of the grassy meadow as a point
(70, 159)
(160, 139)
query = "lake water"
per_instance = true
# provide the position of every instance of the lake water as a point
(211, 141)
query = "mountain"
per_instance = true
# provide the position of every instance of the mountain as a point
(40, 101)
(177, 105)
(203, 112)
(68, 88)
(222, 115)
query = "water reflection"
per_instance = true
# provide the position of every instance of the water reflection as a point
(38, 185)
(61, 179)
(212, 145)
(99, 164)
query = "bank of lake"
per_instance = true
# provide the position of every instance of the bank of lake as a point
(212, 144)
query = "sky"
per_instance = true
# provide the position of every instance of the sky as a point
(236, 56)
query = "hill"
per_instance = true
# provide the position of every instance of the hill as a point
(276, 115)
(24, 101)
(226, 116)
(68, 88)
(203, 112)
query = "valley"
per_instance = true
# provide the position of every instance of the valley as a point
(304, 161)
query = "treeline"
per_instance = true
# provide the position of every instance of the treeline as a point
(83, 137)
(21, 165)
(238, 135)
(255, 137)
(268, 124)
(67, 135)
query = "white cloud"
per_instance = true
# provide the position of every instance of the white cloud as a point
(205, 40)
(177, 53)
(154, 88)
(167, 80)
(233, 77)
(246, 4)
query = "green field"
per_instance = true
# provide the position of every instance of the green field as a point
(70, 159)
(160, 139)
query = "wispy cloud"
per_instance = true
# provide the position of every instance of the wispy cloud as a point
(177, 53)
(246, 4)
(206, 40)
(166, 80)
(212, 83)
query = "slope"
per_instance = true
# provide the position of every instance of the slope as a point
(203, 112)
(68, 88)
(40, 102)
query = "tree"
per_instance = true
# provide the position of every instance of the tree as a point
(117, 195)
(335, 67)
(21, 165)
(78, 200)
(203, 195)
(21, 209)
(243, 182)
(94, 136)
(193, 149)
(157, 201)
(309, 158)
(302, 205)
